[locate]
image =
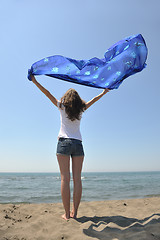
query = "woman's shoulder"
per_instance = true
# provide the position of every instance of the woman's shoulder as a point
(60, 105)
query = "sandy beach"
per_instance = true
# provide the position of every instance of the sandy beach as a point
(133, 219)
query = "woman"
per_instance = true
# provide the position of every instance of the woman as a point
(71, 107)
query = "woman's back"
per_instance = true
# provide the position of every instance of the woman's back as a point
(69, 128)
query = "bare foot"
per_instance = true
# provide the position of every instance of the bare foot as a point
(72, 215)
(64, 217)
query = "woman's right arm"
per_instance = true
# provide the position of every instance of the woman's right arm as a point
(45, 91)
(95, 99)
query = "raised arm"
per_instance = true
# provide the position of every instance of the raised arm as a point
(45, 91)
(95, 99)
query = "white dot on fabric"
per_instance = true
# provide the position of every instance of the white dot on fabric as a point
(87, 73)
(55, 69)
(96, 68)
(67, 68)
(133, 54)
(118, 73)
(126, 47)
(96, 76)
(46, 60)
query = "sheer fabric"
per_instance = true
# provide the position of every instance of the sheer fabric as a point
(121, 60)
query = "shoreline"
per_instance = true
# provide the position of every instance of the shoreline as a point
(83, 201)
(110, 219)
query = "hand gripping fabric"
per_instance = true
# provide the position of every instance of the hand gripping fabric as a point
(121, 60)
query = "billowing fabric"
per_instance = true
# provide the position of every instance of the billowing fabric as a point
(121, 60)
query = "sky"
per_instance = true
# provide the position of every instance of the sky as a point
(121, 132)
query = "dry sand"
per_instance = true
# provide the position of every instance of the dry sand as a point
(134, 219)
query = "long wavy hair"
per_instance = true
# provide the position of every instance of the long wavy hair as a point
(73, 104)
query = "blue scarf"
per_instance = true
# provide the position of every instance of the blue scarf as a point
(121, 60)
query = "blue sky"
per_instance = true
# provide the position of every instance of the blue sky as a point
(121, 132)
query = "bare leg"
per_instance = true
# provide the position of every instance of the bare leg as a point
(77, 163)
(64, 164)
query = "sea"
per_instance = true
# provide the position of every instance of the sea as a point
(97, 186)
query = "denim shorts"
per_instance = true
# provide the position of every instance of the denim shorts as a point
(70, 147)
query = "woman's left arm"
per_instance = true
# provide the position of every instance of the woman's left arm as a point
(95, 99)
(45, 91)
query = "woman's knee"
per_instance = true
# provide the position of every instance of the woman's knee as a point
(77, 179)
(65, 178)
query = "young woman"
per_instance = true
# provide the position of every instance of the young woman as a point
(71, 107)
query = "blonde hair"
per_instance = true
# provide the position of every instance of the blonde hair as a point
(73, 104)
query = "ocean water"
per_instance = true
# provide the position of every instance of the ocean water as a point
(45, 187)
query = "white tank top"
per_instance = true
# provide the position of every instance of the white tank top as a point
(68, 129)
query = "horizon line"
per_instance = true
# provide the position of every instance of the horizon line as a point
(84, 171)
